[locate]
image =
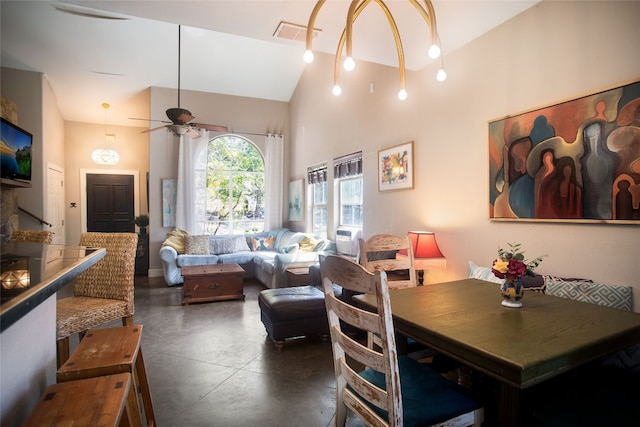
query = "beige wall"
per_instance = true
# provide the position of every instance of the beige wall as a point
(550, 53)
(239, 114)
(81, 140)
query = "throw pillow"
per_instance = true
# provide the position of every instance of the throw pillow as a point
(227, 245)
(196, 245)
(614, 296)
(263, 243)
(308, 244)
(291, 249)
(175, 239)
(483, 273)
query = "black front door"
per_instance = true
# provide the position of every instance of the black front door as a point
(110, 203)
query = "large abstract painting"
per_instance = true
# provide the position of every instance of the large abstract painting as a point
(576, 161)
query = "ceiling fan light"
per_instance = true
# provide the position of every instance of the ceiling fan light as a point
(308, 56)
(178, 130)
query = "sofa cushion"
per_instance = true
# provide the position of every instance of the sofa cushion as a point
(242, 257)
(227, 245)
(175, 239)
(189, 260)
(196, 245)
(290, 249)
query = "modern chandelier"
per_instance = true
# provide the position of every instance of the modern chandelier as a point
(357, 6)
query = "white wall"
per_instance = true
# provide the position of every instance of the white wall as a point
(552, 52)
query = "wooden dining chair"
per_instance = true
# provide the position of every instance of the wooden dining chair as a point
(380, 387)
(380, 253)
(102, 293)
(35, 236)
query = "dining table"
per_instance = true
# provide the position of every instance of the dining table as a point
(517, 347)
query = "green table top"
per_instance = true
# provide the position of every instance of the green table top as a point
(518, 346)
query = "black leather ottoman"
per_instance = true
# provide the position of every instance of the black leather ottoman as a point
(293, 312)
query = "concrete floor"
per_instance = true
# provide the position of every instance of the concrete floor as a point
(212, 364)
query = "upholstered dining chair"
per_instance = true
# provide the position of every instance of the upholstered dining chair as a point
(102, 293)
(35, 236)
(380, 387)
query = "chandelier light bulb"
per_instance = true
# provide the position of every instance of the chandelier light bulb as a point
(402, 95)
(441, 75)
(308, 56)
(434, 51)
(337, 90)
(349, 64)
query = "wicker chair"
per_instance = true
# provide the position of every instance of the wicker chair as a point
(36, 236)
(102, 293)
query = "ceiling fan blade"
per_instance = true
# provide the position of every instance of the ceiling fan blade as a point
(216, 128)
(154, 129)
(149, 120)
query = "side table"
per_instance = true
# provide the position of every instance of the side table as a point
(298, 276)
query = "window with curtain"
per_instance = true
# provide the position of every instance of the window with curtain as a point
(347, 171)
(317, 179)
(235, 193)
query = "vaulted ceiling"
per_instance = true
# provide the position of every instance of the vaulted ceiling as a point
(112, 51)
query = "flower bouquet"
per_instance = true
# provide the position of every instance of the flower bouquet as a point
(511, 266)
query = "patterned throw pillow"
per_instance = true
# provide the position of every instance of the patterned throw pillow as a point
(263, 243)
(196, 245)
(614, 296)
(175, 239)
(483, 273)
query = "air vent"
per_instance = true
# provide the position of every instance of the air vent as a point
(296, 32)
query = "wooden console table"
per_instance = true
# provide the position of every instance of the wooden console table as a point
(217, 282)
(298, 276)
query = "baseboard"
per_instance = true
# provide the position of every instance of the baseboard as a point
(157, 272)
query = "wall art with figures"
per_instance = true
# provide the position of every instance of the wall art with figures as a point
(575, 161)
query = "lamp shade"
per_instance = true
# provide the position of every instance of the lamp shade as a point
(426, 252)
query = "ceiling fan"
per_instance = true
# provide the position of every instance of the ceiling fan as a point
(181, 120)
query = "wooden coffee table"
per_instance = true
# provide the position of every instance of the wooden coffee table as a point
(217, 282)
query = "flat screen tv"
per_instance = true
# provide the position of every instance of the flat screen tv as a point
(15, 152)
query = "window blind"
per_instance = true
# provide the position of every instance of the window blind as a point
(349, 165)
(317, 174)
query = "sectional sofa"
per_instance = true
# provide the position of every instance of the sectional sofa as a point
(265, 256)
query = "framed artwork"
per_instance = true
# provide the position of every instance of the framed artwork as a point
(296, 200)
(575, 161)
(169, 202)
(395, 167)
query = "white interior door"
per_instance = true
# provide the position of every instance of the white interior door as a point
(55, 202)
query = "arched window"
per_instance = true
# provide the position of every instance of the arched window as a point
(235, 186)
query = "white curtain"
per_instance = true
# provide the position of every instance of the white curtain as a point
(192, 183)
(274, 163)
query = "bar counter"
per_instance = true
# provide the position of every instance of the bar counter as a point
(32, 272)
(31, 275)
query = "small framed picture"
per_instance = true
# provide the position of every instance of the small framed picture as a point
(395, 167)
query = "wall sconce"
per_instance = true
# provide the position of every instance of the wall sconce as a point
(426, 253)
(357, 6)
(106, 156)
